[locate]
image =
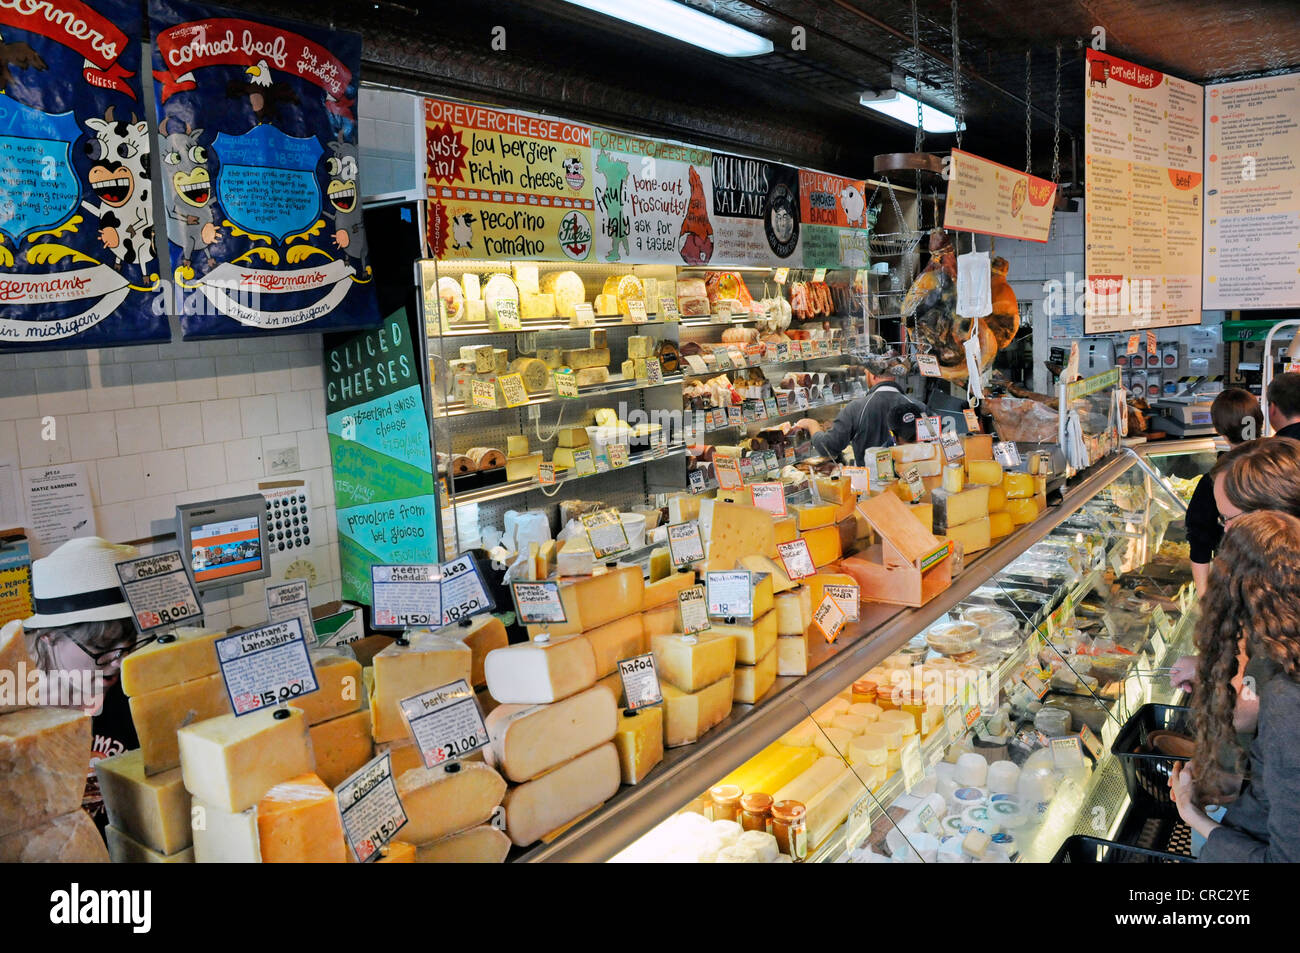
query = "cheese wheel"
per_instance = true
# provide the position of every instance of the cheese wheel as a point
(568, 290)
(485, 458)
(499, 288)
(536, 375)
(452, 300)
(461, 464)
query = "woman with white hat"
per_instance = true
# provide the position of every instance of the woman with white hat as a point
(80, 632)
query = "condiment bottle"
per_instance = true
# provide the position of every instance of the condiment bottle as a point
(756, 812)
(790, 828)
(726, 801)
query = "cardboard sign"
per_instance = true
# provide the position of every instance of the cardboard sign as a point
(928, 365)
(952, 448)
(617, 454)
(972, 420)
(797, 559)
(728, 472)
(512, 389)
(684, 543)
(929, 428)
(483, 394)
(546, 474)
(829, 617)
(584, 316)
(606, 534)
(290, 601)
(636, 311)
(848, 598)
(640, 681)
(566, 383)
(693, 609)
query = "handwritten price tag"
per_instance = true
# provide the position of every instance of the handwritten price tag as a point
(636, 311)
(830, 618)
(617, 453)
(463, 591)
(668, 309)
(640, 681)
(684, 543)
(797, 559)
(606, 534)
(566, 384)
(653, 372)
(848, 598)
(546, 474)
(928, 364)
(728, 471)
(693, 609)
(859, 478)
(266, 666)
(915, 486)
(952, 448)
(928, 428)
(770, 497)
(584, 316)
(159, 591)
(972, 420)
(538, 603)
(445, 722)
(1007, 453)
(371, 810)
(405, 595)
(730, 594)
(483, 394)
(512, 389)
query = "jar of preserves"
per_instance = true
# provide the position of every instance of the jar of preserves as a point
(790, 828)
(726, 802)
(756, 812)
(864, 691)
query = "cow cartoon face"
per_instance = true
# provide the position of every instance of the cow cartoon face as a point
(342, 169)
(119, 157)
(187, 163)
(573, 172)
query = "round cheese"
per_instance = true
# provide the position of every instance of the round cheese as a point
(536, 375)
(568, 290)
(499, 288)
(451, 300)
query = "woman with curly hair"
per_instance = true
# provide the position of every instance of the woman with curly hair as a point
(1250, 597)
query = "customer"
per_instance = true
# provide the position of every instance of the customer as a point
(865, 422)
(1284, 405)
(1251, 595)
(1237, 418)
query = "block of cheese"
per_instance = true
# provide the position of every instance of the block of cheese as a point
(753, 639)
(912, 453)
(225, 837)
(793, 611)
(954, 509)
(753, 681)
(396, 852)
(816, 585)
(683, 507)
(231, 762)
(690, 666)
(161, 663)
(482, 633)
(574, 437)
(977, 446)
(158, 715)
(953, 478)
(525, 277)
(1040, 500)
(1018, 486)
(776, 765)
(428, 661)
(1022, 511)
(814, 515)
(44, 753)
(342, 746)
(15, 662)
(478, 845)
(688, 715)
(853, 724)
(737, 531)
(606, 304)
(661, 620)
(973, 536)
(757, 563)
(298, 822)
(70, 838)
(666, 589)
(823, 544)
(403, 755)
(448, 798)
(829, 806)
(661, 564)
(595, 600)
(557, 797)
(824, 772)
(567, 289)
(997, 498)
(640, 742)
(629, 368)
(923, 512)
(988, 472)
(516, 445)
(527, 740)
(800, 736)
(620, 639)
(833, 742)
(536, 306)
(153, 809)
(125, 849)
(535, 375)
(1000, 524)
(614, 685)
(538, 673)
(785, 530)
(524, 468)
(792, 656)
(574, 558)
(583, 357)
(339, 677)
(639, 346)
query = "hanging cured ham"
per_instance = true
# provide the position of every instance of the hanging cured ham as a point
(930, 313)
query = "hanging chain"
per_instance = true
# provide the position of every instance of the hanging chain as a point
(958, 106)
(1056, 124)
(1029, 143)
(919, 138)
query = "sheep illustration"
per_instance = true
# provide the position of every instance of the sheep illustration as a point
(462, 231)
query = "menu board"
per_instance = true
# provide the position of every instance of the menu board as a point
(1252, 205)
(1143, 154)
(994, 199)
(76, 222)
(755, 212)
(652, 200)
(259, 162)
(506, 184)
(833, 220)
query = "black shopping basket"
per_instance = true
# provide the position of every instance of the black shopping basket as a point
(1081, 849)
(1146, 774)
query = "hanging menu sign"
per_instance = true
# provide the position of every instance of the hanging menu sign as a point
(260, 169)
(1252, 207)
(76, 220)
(507, 185)
(755, 211)
(652, 201)
(833, 220)
(1143, 152)
(994, 199)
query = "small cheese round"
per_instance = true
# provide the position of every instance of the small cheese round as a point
(762, 843)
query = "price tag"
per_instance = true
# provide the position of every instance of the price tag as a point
(508, 315)
(684, 543)
(769, 496)
(668, 309)
(446, 722)
(538, 603)
(405, 595)
(913, 766)
(583, 462)
(483, 393)
(1036, 680)
(1151, 342)
(730, 594)
(1132, 692)
(848, 598)
(754, 354)
(746, 469)
(972, 420)
(928, 364)
(370, 808)
(606, 534)
(952, 448)
(954, 723)
(819, 274)
(728, 472)
(654, 373)
(636, 311)
(512, 389)
(1133, 340)
(617, 453)
(1067, 753)
(463, 591)
(799, 348)
(782, 351)
(265, 666)
(769, 407)
(859, 822)
(859, 478)
(885, 466)
(159, 591)
(801, 398)
(928, 428)
(546, 474)
(783, 404)
(787, 454)
(797, 559)
(780, 275)
(696, 480)
(769, 461)
(1007, 454)
(640, 681)
(721, 359)
(1090, 741)
(830, 618)
(915, 486)
(290, 601)
(735, 417)
(769, 351)
(693, 609)
(722, 309)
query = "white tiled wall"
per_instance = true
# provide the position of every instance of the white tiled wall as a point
(391, 160)
(176, 423)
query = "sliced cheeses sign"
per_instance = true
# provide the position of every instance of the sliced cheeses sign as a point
(755, 212)
(833, 220)
(507, 185)
(653, 200)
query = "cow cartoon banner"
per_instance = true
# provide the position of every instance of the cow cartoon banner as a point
(834, 221)
(506, 184)
(755, 212)
(77, 263)
(652, 200)
(257, 151)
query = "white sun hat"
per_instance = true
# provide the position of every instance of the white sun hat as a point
(77, 583)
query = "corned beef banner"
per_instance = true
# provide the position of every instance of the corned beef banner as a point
(258, 155)
(77, 264)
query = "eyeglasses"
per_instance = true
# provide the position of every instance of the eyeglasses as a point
(1226, 521)
(109, 656)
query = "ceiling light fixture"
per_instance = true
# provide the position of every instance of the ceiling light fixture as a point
(900, 106)
(683, 23)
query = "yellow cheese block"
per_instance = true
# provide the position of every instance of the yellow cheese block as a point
(923, 512)
(688, 715)
(814, 515)
(692, 666)
(1022, 511)
(953, 509)
(190, 655)
(661, 563)
(1018, 486)
(987, 472)
(524, 468)
(665, 590)
(785, 529)
(661, 620)
(396, 852)
(824, 772)
(817, 585)
(953, 478)
(828, 808)
(1040, 499)
(403, 755)
(838, 490)
(753, 639)
(478, 845)
(1000, 524)
(761, 594)
(231, 762)
(125, 849)
(977, 446)
(738, 530)
(793, 612)
(683, 507)
(752, 681)
(448, 798)
(70, 838)
(298, 822)
(973, 536)
(614, 685)
(640, 742)
(620, 639)
(824, 544)
(527, 740)
(159, 714)
(757, 563)
(482, 633)
(792, 655)
(997, 498)
(573, 789)
(594, 600)
(401, 671)
(538, 673)
(339, 678)
(537, 306)
(15, 663)
(606, 304)
(772, 768)
(342, 746)
(153, 809)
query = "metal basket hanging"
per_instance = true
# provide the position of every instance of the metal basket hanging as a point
(900, 243)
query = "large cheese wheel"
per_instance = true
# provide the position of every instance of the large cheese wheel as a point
(499, 288)
(485, 458)
(536, 375)
(568, 290)
(452, 300)
(624, 288)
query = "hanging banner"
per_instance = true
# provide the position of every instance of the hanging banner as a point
(379, 446)
(1142, 149)
(994, 199)
(1252, 205)
(258, 157)
(652, 200)
(77, 263)
(755, 212)
(507, 185)
(833, 221)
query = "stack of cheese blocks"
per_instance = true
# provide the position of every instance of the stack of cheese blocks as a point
(590, 365)
(44, 756)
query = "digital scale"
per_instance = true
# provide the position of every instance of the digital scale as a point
(1187, 414)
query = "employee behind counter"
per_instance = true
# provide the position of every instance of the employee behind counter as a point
(870, 420)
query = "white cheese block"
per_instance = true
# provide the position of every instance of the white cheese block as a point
(473, 292)
(538, 673)
(528, 740)
(526, 277)
(498, 288)
(540, 806)
(225, 837)
(231, 762)
(792, 655)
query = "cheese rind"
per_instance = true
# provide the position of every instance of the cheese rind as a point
(753, 681)
(231, 762)
(44, 753)
(339, 678)
(342, 746)
(70, 838)
(528, 740)
(620, 639)
(785, 530)
(478, 845)
(1000, 524)
(640, 742)
(987, 472)
(954, 509)
(152, 809)
(298, 822)
(225, 837)
(758, 563)
(402, 671)
(451, 797)
(14, 660)
(997, 499)
(688, 715)
(692, 665)
(557, 797)
(192, 654)
(537, 673)
(125, 849)
(753, 639)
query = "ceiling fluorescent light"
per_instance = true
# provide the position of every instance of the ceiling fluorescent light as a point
(683, 23)
(900, 106)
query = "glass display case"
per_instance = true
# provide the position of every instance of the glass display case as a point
(1181, 463)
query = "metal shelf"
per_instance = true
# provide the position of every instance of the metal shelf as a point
(532, 327)
(460, 408)
(701, 322)
(763, 365)
(763, 422)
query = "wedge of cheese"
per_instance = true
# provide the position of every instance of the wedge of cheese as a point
(923, 512)
(483, 634)
(758, 563)
(661, 620)
(339, 677)
(683, 507)
(814, 515)
(538, 673)
(973, 536)
(152, 809)
(737, 531)
(429, 661)
(342, 746)
(620, 639)
(977, 446)
(785, 530)
(985, 471)
(478, 845)
(159, 714)
(190, 655)
(954, 509)
(823, 544)
(225, 837)
(688, 715)
(753, 639)
(44, 753)
(125, 849)
(666, 589)
(691, 664)
(792, 656)
(640, 742)
(528, 740)
(559, 796)
(298, 822)
(997, 499)
(231, 762)
(753, 681)
(595, 600)
(793, 612)
(1022, 511)
(448, 798)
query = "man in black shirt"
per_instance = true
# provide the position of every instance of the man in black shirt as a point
(1284, 405)
(865, 422)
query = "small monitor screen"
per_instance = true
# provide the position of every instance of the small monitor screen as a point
(227, 548)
